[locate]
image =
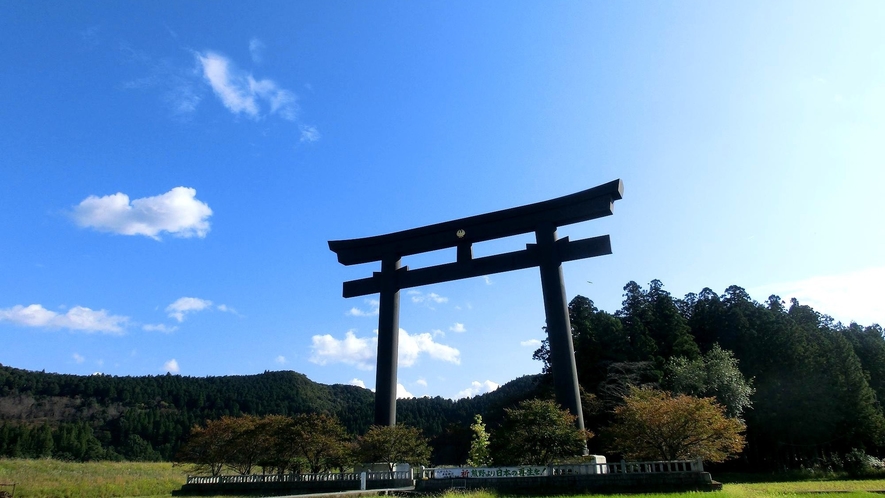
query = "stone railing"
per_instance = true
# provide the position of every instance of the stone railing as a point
(622, 467)
(284, 478)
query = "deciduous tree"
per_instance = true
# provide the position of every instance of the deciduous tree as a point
(479, 455)
(319, 439)
(656, 425)
(394, 444)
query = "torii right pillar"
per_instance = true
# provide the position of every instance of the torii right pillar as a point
(559, 329)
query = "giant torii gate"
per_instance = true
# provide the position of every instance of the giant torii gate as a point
(548, 254)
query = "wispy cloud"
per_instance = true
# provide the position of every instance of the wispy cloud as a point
(421, 382)
(427, 299)
(171, 366)
(227, 309)
(476, 388)
(241, 93)
(361, 351)
(184, 305)
(90, 36)
(309, 133)
(280, 359)
(256, 50)
(160, 327)
(458, 327)
(531, 343)
(183, 85)
(77, 318)
(852, 296)
(78, 358)
(372, 311)
(179, 84)
(177, 212)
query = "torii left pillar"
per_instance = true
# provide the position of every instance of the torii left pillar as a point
(388, 343)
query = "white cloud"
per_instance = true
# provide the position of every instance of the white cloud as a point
(421, 382)
(177, 212)
(240, 92)
(458, 327)
(309, 133)
(357, 382)
(402, 393)
(77, 318)
(280, 359)
(477, 388)
(256, 50)
(184, 305)
(534, 343)
(171, 366)
(361, 352)
(78, 358)
(487, 280)
(853, 296)
(160, 327)
(411, 346)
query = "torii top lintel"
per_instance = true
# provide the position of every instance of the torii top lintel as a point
(586, 205)
(581, 206)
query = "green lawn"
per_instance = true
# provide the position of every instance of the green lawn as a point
(56, 479)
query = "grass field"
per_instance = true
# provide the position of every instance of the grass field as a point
(56, 479)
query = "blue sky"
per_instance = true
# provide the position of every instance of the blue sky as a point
(172, 172)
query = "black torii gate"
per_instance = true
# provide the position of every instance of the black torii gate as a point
(548, 254)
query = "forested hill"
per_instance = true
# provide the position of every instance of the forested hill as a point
(149, 417)
(810, 389)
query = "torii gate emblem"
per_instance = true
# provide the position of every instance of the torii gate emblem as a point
(547, 254)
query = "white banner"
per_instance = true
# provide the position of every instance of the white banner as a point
(489, 472)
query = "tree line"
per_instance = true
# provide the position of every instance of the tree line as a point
(649, 425)
(806, 388)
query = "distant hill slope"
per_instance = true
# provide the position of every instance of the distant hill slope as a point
(162, 409)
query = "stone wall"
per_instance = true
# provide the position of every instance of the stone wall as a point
(286, 488)
(600, 483)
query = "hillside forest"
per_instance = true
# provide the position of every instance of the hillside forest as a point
(807, 388)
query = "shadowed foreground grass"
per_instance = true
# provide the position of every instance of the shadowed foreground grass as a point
(57, 479)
